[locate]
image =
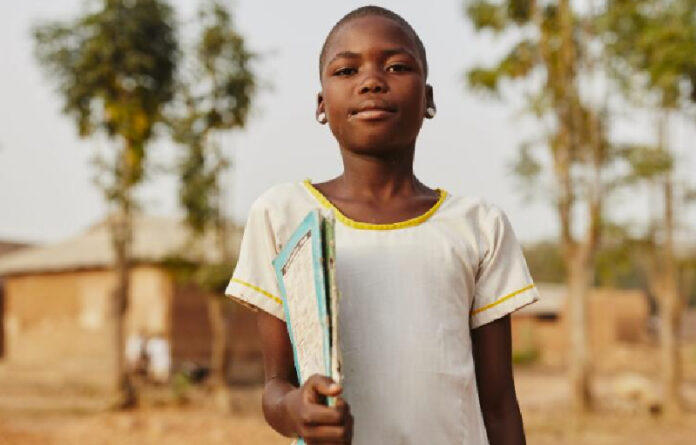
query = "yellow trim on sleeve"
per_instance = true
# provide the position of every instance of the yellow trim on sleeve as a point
(259, 290)
(370, 226)
(500, 300)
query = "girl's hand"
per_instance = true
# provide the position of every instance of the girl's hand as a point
(315, 422)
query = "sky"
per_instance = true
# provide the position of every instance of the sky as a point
(47, 191)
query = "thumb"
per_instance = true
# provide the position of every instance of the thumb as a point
(325, 386)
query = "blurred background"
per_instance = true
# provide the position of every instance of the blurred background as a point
(135, 134)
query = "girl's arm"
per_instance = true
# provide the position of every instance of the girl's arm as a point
(492, 350)
(298, 411)
(279, 371)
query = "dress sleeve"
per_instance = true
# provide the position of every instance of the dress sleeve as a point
(253, 282)
(503, 282)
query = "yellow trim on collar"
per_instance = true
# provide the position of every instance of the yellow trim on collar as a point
(500, 300)
(370, 226)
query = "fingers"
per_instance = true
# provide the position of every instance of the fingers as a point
(339, 433)
(323, 385)
(317, 414)
(324, 434)
(342, 408)
(320, 424)
(322, 415)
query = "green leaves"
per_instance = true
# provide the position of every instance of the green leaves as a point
(498, 15)
(646, 162)
(114, 67)
(486, 15)
(199, 192)
(118, 66)
(209, 277)
(653, 42)
(484, 79)
(214, 95)
(520, 10)
(518, 63)
(224, 59)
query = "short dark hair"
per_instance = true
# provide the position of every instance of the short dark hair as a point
(365, 11)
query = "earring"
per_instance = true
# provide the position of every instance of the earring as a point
(430, 112)
(321, 118)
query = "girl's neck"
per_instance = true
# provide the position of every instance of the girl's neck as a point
(378, 177)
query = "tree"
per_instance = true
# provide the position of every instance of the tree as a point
(652, 44)
(215, 94)
(545, 262)
(114, 67)
(552, 44)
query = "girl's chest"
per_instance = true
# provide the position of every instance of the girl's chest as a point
(422, 259)
(403, 288)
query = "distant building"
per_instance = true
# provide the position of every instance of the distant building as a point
(6, 247)
(688, 326)
(616, 317)
(57, 302)
(11, 246)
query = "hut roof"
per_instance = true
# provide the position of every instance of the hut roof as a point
(155, 239)
(551, 298)
(10, 246)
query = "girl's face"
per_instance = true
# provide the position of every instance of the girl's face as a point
(373, 86)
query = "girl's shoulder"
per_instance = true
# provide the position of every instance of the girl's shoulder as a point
(471, 208)
(282, 207)
(280, 193)
(476, 218)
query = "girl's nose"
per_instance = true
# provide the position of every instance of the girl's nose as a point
(373, 84)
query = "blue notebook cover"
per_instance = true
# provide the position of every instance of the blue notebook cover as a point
(305, 274)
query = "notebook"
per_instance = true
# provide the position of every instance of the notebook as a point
(306, 274)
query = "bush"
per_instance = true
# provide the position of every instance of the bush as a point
(525, 356)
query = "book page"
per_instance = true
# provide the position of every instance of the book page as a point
(332, 294)
(307, 331)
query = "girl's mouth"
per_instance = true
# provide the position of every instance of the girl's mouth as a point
(373, 110)
(372, 114)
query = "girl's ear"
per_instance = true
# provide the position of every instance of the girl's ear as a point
(430, 108)
(320, 102)
(320, 114)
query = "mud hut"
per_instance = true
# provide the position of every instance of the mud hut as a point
(57, 302)
(617, 318)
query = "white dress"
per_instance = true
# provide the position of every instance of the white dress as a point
(410, 294)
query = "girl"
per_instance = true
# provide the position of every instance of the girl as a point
(427, 279)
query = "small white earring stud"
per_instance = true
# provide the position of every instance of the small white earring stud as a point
(430, 112)
(321, 118)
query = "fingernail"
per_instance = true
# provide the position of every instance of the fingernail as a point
(334, 387)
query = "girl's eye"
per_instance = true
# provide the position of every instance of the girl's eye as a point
(398, 67)
(344, 71)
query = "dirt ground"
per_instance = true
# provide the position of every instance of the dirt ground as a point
(46, 418)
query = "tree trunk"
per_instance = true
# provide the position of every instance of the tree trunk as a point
(579, 368)
(579, 256)
(219, 360)
(121, 228)
(121, 238)
(668, 297)
(670, 314)
(219, 315)
(220, 353)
